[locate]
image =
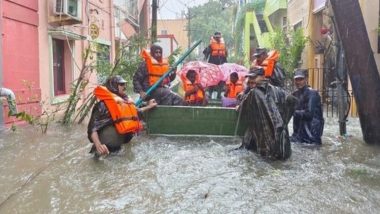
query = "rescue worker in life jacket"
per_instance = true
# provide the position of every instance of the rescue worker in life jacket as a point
(114, 119)
(151, 70)
(194, 92)
(232, 88)
(269, 62)
(216, 52)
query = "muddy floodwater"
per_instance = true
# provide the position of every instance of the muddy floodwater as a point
(54, 173)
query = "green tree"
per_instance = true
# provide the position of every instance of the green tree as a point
(211, 17)
(290, 44)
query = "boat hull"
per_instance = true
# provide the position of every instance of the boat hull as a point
(194, 120)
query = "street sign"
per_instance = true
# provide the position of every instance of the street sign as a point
(94, 31)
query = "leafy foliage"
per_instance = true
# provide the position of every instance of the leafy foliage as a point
(127, 60)
(290, 45)
(211, 17)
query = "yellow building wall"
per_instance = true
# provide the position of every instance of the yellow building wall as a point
(298, 11)
(177, 27)
(370, 10)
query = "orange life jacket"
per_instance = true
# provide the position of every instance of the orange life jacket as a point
(269, 62)
(234, 89)
(124, 115)
(195, 97)
(155, 69)
(217, 49)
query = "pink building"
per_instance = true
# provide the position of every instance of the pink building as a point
(43, 43)
(20, 53)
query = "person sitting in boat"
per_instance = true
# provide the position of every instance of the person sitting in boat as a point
(233, 87)
(194, 92)
(114, 119)
(268, 110)
(308, 119)
(149, 72)
(250, 83)
(269, 62)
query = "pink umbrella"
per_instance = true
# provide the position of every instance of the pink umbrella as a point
(228, 68)
(209, 74)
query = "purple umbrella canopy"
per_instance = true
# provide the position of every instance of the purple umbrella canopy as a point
(228, 68)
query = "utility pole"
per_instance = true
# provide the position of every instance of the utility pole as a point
(342, 90)
(188, 17)
(341, 82)
(188, 32)
(154, 21)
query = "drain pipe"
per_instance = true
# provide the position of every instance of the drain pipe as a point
(11, 98)
(1, 63)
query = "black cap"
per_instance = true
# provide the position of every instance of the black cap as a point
(217, 34)
(255, 71)
(259, 51)
(300, 73)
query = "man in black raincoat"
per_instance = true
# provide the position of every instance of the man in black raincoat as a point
(162, 94)
(268, 110)
(308, 119)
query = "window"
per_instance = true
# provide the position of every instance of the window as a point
(71, 8)
(103, 54)
(164, 32)
(284, 21)
(58, 67)
(102, 61)
(298, 25)
(132, 8)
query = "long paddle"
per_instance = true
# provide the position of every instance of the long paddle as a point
(154, 86)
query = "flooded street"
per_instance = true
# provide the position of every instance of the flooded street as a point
(54, 173)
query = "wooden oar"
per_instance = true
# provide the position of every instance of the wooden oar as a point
(154, 86)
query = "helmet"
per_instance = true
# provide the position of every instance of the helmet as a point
(113, 82)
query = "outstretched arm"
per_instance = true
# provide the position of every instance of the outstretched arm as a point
(101, 148)
(151, 104)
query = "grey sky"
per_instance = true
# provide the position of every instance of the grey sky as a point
(171, 9)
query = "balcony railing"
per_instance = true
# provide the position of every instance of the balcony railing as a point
(274, 5)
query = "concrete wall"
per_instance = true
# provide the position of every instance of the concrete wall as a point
(168, 44)
(298, 11)
(370, 10)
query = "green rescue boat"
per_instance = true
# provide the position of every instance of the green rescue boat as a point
(194, 121)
